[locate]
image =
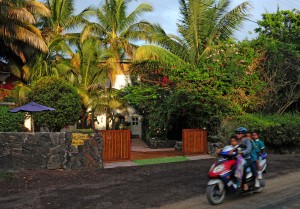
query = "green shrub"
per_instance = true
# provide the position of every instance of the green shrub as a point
(56, 93)
(82, 131)
(277, 131)
(11, 122)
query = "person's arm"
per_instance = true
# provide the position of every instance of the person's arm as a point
(231, 151)
(249, 147)
(262, 147)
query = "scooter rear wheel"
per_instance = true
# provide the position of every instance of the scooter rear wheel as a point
(214, 195)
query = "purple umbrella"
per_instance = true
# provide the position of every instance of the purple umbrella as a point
(31, 107)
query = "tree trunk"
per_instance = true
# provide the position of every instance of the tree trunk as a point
(107, 120)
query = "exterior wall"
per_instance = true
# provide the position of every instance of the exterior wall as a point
(121, 81)
(30, 151)
(101, 124)
(27, 122)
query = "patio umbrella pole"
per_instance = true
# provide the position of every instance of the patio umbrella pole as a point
(32, 123)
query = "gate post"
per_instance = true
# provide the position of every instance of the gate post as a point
(194, 141)
(116, 145)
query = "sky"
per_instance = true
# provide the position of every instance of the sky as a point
(166, 12)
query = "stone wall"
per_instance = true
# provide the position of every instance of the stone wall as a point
(31, 151)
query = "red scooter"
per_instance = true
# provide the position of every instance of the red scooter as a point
(222, 180)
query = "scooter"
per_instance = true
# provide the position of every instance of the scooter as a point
(222, 180)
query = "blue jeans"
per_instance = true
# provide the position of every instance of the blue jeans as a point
(252, 165)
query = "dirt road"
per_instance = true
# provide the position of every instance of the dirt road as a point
(119, 188)
(280, 193)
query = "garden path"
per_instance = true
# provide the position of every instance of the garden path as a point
(140, 150)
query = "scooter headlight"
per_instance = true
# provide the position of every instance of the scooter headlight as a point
(218, 169)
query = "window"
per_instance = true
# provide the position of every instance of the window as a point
(134, 121)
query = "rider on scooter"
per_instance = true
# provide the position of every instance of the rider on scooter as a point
(240, 133)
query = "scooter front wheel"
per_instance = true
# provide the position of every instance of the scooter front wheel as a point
(214, 195)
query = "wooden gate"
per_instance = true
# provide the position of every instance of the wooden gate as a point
(116, 145)
(194, 141)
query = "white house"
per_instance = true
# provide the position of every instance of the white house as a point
(122, 81)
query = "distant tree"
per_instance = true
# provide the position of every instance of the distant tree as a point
(56, 93)
(284, 26)
(279, 42)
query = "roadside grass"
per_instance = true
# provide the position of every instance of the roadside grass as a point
(4, 176)
(161, 160)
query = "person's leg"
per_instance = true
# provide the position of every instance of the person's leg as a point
(247, 165)
(258, 170)
(254, 169)
(254, 173)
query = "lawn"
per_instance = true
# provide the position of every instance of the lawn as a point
(160, 160)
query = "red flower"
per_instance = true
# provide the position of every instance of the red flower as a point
(165, 80)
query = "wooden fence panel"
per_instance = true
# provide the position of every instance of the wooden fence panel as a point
(116, 145)
(194, 141)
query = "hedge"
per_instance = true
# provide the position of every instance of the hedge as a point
(11, 122)
(280, 132)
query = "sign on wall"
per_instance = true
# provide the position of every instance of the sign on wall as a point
(79, 138)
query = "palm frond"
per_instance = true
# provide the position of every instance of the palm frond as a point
(24, 91)
(38, 8)
(136, 13)
(232, 20)
(18, 15)
(81, 19)
(156, 53)
(15, 47)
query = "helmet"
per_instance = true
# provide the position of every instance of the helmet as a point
(241, 130)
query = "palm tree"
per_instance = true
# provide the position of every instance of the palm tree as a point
(18, 33)
(118, 31)
(202, 25)
(90, 75)
(85, 71)
(55, 29)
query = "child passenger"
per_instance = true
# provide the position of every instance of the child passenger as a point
(233, 143)
(254, 158)
(259, 148)
(240, 162)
